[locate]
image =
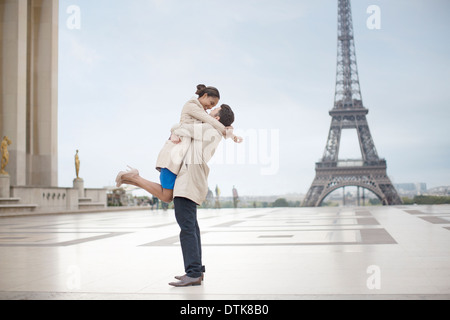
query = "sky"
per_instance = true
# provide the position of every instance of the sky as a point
(126, 68)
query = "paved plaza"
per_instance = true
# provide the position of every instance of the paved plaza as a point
(398, 252)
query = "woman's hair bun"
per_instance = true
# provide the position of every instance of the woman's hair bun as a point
(210, 91)
(200, 88)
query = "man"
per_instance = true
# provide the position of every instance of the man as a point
(191, 187)
(235, 197)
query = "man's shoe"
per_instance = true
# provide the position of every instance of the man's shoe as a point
(187, 281)
(182, 277)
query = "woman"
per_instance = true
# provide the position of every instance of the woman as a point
(171, 156)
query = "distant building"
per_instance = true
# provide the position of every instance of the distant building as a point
(439, 191)
(411, 189)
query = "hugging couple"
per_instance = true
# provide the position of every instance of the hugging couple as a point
(184, 171)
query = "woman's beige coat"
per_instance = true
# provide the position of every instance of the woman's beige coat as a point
(171, 155)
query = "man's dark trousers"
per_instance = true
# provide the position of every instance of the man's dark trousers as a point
(186, 215)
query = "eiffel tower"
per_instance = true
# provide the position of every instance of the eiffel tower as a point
(349, 113)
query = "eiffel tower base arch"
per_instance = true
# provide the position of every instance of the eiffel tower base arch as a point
(332, 176)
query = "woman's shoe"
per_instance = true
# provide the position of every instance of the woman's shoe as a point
(121, 173)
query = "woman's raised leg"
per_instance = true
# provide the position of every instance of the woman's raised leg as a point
(155, 189)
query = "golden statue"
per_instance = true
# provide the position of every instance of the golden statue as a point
(5, 154)
(77, 165)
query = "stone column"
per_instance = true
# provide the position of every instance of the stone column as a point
(42, 108)
(28, 89)
(13, 84)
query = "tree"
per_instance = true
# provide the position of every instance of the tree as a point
(281, 202)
